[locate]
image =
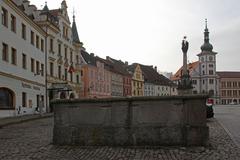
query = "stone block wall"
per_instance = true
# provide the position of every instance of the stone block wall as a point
(136, 121)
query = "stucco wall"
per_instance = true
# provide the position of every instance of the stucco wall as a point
(131, 121)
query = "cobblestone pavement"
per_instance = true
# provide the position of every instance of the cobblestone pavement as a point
(32, 141)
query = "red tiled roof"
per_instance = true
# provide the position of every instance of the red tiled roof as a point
(191, 67)
(228, 74)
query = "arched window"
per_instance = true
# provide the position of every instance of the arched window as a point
(63, 95)
(6, 99)
(211, 92)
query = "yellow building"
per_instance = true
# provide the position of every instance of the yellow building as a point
(137, 80)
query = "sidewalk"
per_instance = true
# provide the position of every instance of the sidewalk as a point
(19, 119)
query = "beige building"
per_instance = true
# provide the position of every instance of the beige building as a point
(137, 79)
(22, 62)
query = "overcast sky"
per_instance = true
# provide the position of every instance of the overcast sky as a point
(150, 31)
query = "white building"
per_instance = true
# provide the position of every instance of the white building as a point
(22, 62)
(203, 72)
(40, 57)
(156, 84)
(63, 48)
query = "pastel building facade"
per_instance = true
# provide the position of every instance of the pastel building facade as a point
(229, 87)
(96, 78)
(137, 79)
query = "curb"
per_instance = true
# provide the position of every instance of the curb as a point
(21, 119)
(229, 133)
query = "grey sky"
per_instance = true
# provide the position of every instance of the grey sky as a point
(150, 31)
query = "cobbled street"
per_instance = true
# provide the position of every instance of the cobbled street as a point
(32, 141)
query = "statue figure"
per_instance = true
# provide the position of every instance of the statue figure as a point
(184, 45)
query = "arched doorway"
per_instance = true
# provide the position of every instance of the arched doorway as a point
(72, 96)
(63, 95)
(7, 98)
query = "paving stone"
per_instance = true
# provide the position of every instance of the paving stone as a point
(32, 141)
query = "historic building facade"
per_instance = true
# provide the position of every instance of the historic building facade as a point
(63, 52)
(203, 72)
(22, 62)
(229, 87)
(137, 79)
(156, 84)
(96, 78)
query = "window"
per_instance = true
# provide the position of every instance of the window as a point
(24, 99)
(229, 93)
(51, 45)
(42, 45)
(37, 41)
(210, 65)
(235, 93)
(194, 82)
(13, 23)
(229, 84)
(223, 84)
(37, 67)
(77, 79)
(203, 72)
(6, 99)
(32, 37)
(59, 72)
(59, 49)
(77, 59)
(32, 65)
(71, 76)
(211, 92)
(66, 74)
(51, 69)
(65, 53)
(38, 100)
(14, 56)
(224, 93)
(4, 52)
(234, 84)
(42, 69)
(210, 72)
(24, 61)
(211, 81)
(203, 81)
(4, 17)
(71, 56)
(23, 31)
(81, 73)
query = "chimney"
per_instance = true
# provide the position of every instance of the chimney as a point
(155, 68)
(92, 54)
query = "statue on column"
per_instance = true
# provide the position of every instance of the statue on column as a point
(184, 45)
(185, 83)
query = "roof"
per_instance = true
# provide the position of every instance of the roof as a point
(152, 76)
(118, 66)
(228, 74)
(75, 36)
(191, 67)
(131, 68)
(89, 59)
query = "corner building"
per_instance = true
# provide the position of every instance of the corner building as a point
(22, 62)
